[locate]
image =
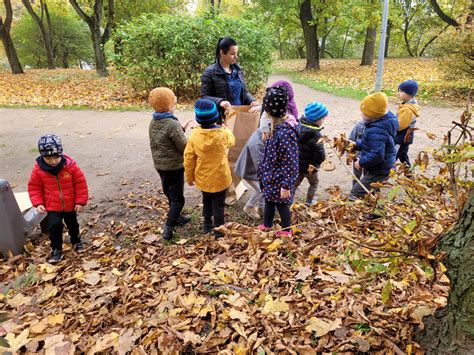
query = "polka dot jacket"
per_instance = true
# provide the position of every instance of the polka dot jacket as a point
(279, 165)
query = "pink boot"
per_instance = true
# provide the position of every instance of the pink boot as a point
(284, 234)
(262, 228)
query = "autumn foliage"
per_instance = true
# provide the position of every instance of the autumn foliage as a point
(342, 283)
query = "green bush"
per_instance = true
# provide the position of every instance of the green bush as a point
(173, 50)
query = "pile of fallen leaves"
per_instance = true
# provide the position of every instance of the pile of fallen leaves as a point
(342, 284)
(339, 74)
(68, 88)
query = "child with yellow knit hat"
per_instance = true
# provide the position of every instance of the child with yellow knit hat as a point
(376, 146)
(167, 143)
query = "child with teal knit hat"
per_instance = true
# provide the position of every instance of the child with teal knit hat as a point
(311, 150)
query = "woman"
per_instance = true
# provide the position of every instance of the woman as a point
(223, 82)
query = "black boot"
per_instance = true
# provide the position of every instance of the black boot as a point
(207, 228)
(182, 220)
(168, 233)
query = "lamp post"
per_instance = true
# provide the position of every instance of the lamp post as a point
(380, 59)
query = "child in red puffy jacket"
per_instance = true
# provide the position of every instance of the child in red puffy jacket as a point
(58, 186)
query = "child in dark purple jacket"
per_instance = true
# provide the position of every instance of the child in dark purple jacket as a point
(278, 168)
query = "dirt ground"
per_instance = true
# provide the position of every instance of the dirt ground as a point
(113, 150)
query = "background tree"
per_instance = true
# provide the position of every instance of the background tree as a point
(370, 33)
(46, 29)
(10, 51)
(99, 38)
(71, 41)
(125, 10)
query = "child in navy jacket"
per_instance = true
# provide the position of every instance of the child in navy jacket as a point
(377, 146)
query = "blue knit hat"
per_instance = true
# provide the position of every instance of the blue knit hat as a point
(49, 145)
(409, 87)
(206, 112)
(315, 111)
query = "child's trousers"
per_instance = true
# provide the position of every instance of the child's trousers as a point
(283, 210)
(313, 184)
(172, 182)
(213, 207)
(56, 227)
(256, 195)
(368, 178)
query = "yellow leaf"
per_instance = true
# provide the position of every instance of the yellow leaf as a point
(322, 327)
(275, 245)
(105, 342)
(39, 327)
(19, 300)
(116, 272)
(235, 314)
(48, 268)
(56, 319)
(16, 343)
(275, 306)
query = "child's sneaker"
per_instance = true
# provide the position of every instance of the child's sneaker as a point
(207, 228)
(168, 233)
(78, 247)
(182, 220)
(284, 234)
(55, 257)
(218, 234)
(251, 212)
(262, 228)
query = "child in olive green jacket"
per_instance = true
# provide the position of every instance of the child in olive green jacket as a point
(167, 143)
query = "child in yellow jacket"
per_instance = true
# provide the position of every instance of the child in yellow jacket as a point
(206, 163)
(408, 111)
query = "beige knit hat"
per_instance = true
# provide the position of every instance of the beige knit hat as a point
(162, 99)
(374, 105)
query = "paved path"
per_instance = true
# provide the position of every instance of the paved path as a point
(113, 147)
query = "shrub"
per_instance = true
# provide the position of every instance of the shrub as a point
(173, 50)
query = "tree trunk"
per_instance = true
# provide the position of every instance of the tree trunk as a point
(46, 36)
(387, 39)
(322, 50)
(10, 51)
(344, 43)
(99, 53)
(98, 40)
(310, 32)
(369, 46)
(451, 330)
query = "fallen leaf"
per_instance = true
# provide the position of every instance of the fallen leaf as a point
(322, 327)
(304, 272)
(235, 314)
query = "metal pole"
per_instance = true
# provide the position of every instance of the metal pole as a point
(383, 35)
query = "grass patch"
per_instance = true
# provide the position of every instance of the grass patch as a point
(345, 77)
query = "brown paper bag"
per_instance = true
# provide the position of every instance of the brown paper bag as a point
(242, 124)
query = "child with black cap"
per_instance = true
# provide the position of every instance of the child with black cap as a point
(206, 163)
(58, 186)
(167, 143)
(278, 168)
(408, 111)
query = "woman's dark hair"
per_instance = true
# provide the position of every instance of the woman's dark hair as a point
(224, 44)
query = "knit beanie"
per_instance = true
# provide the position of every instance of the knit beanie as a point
(49, 145)
(409, 87)
(315, 111)
(206, 112)
(275, 102)
(374, 105)
(162, 99)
